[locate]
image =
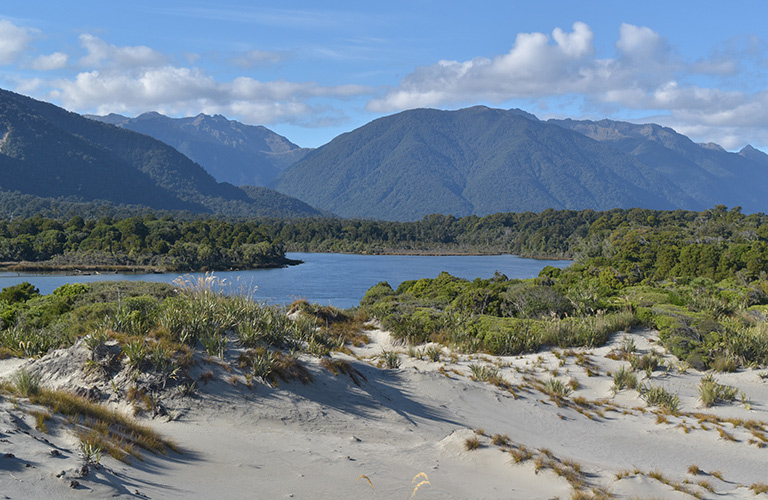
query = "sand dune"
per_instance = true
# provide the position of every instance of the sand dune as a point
(317, 440)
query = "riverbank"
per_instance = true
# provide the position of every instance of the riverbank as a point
(52, 267)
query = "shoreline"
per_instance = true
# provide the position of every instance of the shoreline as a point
(85, 270)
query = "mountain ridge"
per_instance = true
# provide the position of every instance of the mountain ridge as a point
(50, 152)
(230, 151)
(476, 160)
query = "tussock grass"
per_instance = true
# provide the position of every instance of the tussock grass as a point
(660, 397)
(25, 384)
(556, 388)
(623, 378)
(96, 425)
(758, 488)
(341, 366)
(711, 392)
(472, 443)
(390, 359)
(501, 440)
(484, 373)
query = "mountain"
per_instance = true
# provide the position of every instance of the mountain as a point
(49, 152)
(230, 151)
(705, 172)
(472, 161)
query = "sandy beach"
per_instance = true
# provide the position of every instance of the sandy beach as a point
(382, 432)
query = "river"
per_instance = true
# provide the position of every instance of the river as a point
(326, 278)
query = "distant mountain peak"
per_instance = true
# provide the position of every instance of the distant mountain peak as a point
(754, 154)
(52, 153)
(229, 150)
(521, 112)
(713, 146)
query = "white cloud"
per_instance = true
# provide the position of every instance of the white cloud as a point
(13, 40)
(534, 66)
(100, 53)
(179, 90)
(641, 43)
(646, 74)
(57, 60)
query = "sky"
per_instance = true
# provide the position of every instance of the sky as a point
(312, 72)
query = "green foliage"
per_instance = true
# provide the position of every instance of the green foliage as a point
(711, 392)
(658, 396)
(623, 378)
(19, 293)
(25, 383)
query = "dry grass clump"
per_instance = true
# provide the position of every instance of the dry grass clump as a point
(271, 365)
(501, 440)
(140, 399)
(96, 425)
(288, 367)
(472, 443)
(336, 322)
(570, 470)
(41, 419)
(758, 488)
(694, 470)
(341, 366)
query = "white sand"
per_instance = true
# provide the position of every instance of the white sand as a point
(314, 441)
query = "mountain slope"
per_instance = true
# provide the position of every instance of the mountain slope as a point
(49, 152)
(471, 161)
(230, 151)
(705, 172)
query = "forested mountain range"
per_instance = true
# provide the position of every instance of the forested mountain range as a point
(48, 152)
(705, 172)
(228, 150)
(473, 161)
(482, 161)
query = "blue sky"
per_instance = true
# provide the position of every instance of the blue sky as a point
(311, 72)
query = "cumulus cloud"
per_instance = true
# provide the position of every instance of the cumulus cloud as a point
(134, 79)
(536, 65)
(57, 60)
(180, 90)
(644, 74)
(100, 53)
(13, 40)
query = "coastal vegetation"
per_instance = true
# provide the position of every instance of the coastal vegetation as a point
(699, 278)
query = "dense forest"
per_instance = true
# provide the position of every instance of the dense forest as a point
(164, 243)
(637, 243)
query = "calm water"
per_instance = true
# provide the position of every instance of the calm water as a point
(337, 279)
